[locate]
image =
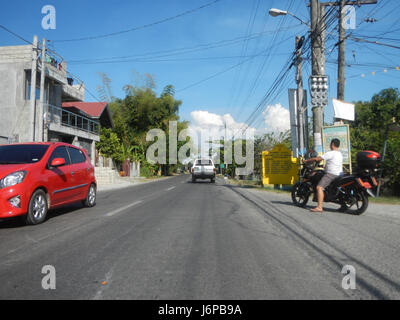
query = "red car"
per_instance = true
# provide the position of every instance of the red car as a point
(36, 177)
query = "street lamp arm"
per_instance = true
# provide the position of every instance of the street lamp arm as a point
(296, 17)
(277, 12)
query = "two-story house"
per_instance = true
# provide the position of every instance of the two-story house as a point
(60, 116)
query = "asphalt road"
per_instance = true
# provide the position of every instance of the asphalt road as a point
(174, 239)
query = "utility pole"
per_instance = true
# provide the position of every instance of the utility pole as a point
(318, 65)
(41, 103)
(300, 92)
(341, 53)
(33, 86)
(341, 80)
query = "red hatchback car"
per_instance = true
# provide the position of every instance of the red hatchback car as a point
(35, 177)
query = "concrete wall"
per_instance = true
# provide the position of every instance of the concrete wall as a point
(14, 109)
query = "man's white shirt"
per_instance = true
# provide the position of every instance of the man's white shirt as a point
(333, 162)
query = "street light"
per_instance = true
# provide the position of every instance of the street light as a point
(277, 12)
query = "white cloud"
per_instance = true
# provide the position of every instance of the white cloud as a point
(276, 118)
(211, 127)
(206, 119)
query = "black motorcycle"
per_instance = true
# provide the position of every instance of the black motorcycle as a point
(349, 191)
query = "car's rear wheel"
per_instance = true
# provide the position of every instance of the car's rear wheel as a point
(38, 207)
(90, 200)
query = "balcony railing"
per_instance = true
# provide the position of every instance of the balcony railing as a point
(66, 118)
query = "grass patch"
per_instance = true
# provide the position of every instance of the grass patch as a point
(385, 200)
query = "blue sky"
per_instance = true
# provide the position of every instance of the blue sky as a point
(230, 92)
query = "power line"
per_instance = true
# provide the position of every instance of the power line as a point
(142, 26)
(374, 42)
(15, 34)
(180, 51)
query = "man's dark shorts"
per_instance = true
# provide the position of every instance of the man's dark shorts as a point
(326, 180)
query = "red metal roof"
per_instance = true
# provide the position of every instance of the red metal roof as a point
(93, 109)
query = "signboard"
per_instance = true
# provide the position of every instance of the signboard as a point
(341, 132)
(279, 166)
(222, 166)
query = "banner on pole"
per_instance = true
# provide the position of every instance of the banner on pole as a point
(343, 110)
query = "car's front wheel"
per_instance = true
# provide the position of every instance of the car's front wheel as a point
(38, 207)
(90, 200)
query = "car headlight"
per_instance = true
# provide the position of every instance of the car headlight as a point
(12, 179)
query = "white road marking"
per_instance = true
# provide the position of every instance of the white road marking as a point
(123, 208)
(170, 188)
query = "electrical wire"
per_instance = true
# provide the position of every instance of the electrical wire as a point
(96, 37)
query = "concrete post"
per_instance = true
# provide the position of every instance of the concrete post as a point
(318, 65)
(41, 104)
(33, 88)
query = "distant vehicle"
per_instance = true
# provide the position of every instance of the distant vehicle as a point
(36, 177)
(203, 169)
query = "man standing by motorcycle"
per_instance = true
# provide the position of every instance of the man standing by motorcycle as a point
(333, 168)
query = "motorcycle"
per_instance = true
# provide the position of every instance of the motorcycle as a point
(350, 191)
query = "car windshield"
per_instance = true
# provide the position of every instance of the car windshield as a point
(22, 153)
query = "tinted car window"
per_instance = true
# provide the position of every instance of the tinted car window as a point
(60, 152)
(203, 163)
(77, 155)
(24, 153)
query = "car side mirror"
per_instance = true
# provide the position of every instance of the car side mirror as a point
(58, 162)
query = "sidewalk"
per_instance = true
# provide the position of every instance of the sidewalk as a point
(128, 182)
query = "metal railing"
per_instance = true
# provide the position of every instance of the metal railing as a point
(63, 117)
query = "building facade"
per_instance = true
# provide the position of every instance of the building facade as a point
(41, 112)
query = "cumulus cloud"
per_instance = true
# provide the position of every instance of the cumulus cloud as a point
(206, 126)
(276, 119)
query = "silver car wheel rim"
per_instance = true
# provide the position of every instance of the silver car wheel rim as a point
(39, 207)
(92, 195)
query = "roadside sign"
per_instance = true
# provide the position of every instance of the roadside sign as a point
(279, 166)
(222, 166)
(341, 132)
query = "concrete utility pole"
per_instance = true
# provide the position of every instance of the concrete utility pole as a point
(33, 86)
(342, 42)
(341, 53)
(41, 104)
(300, 93)
(318, 65)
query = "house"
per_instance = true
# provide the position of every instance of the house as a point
(53, 109)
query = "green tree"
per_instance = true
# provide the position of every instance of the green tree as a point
(109, 145)
(368, 133)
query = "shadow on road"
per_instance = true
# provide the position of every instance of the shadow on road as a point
(308, 207)
(19, 222)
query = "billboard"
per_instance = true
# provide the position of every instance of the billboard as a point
(341, 132)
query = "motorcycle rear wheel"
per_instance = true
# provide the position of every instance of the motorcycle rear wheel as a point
(359, 199)
(300, 194)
